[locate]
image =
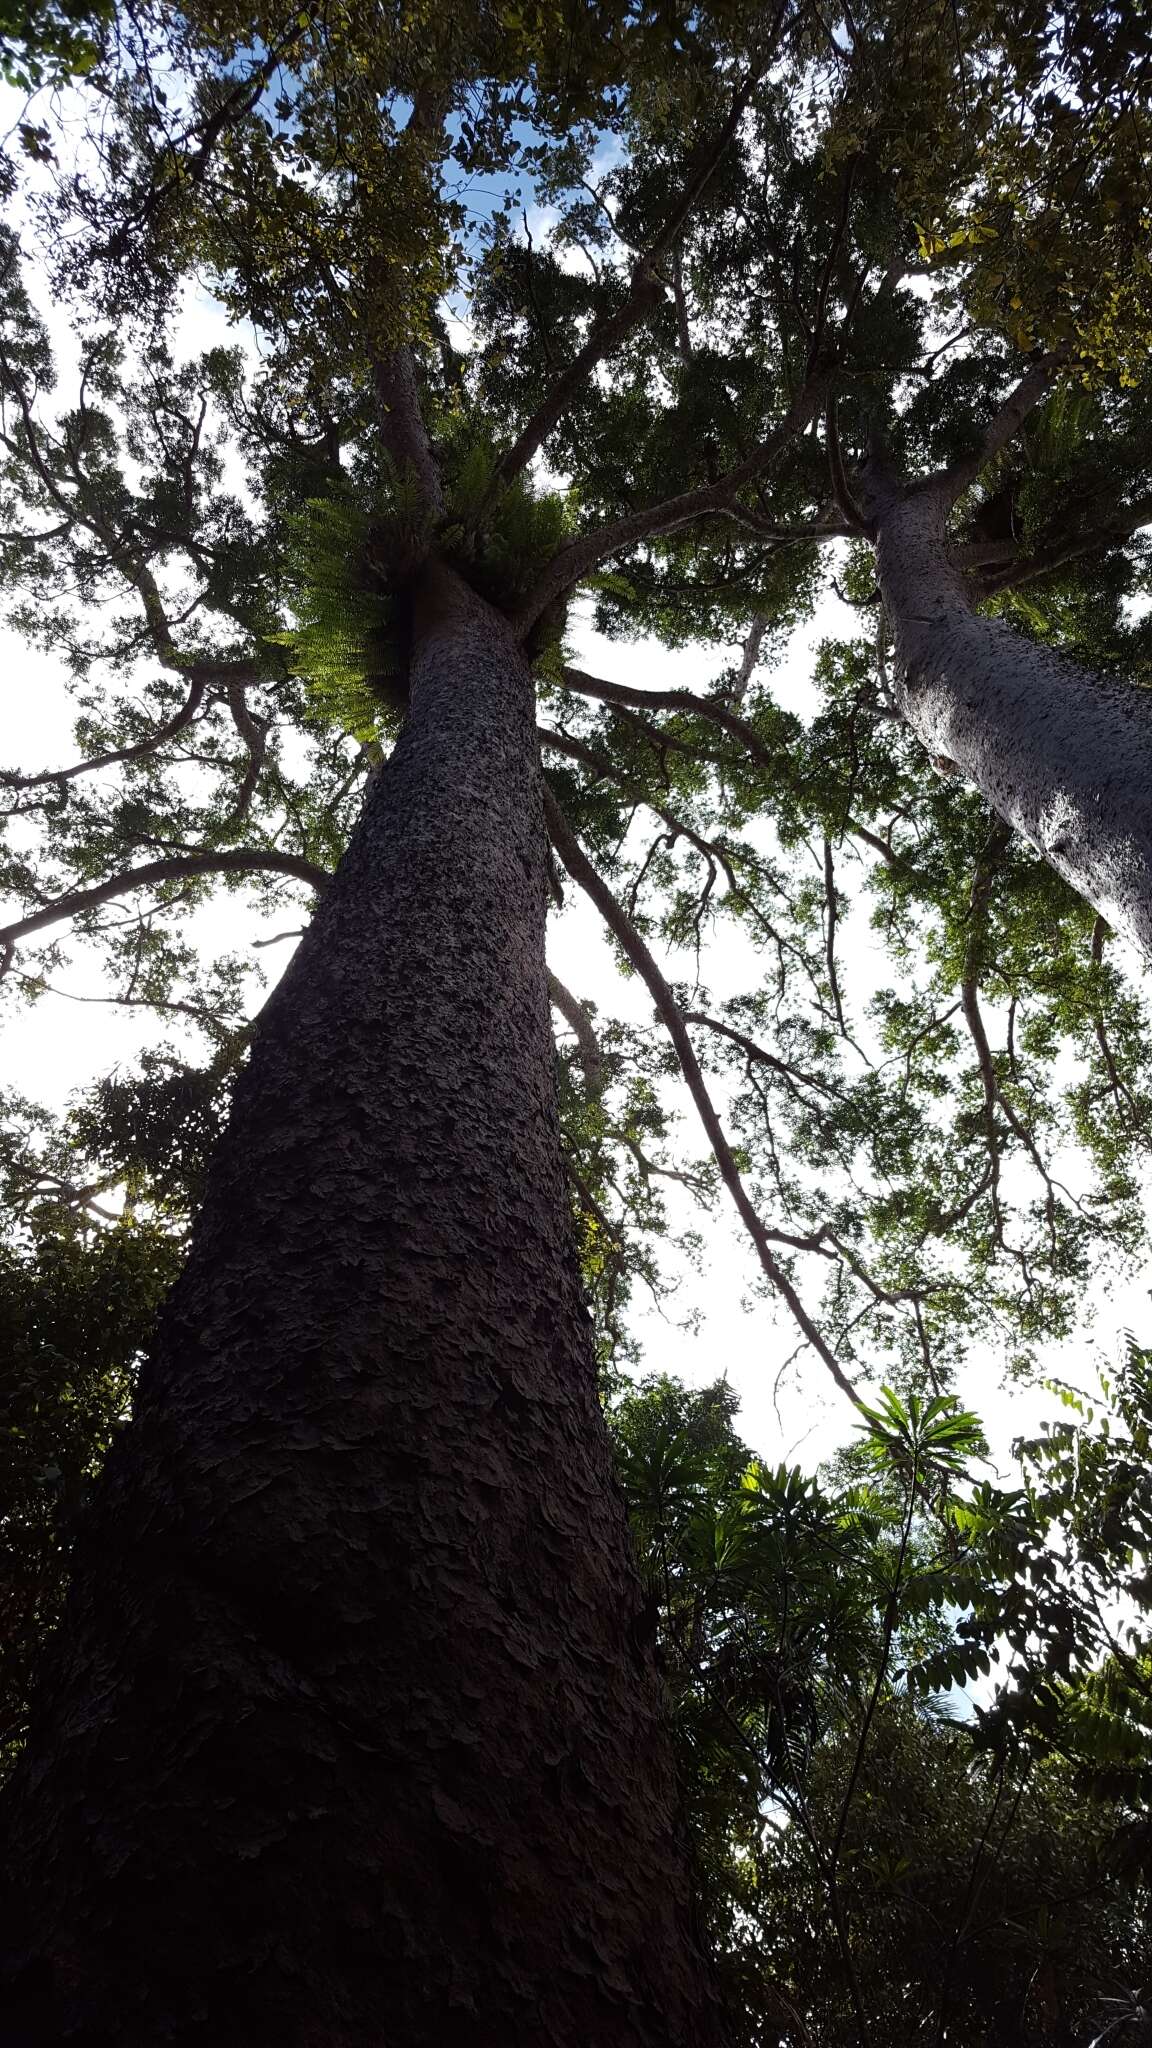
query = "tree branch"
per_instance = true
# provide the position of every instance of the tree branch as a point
(580, 557)
(750, 655)
(1027, 394)
(176, 724)
(834, 246)
(757, 1053)
(1121, 1093)
(646, 290)
(605, 770)
(1016, 570)
(830, 932)
(122, 555)
(715, 853)
(636, 951)
(683, 329)
(575, 1014)
(189, 173)
(254, 733)
(402, 426)
(716, 713)
(234, 861)
(999, 839)
(841, 490)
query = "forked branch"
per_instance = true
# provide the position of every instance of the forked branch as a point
(580, 557)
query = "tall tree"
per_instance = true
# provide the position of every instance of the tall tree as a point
(351, 1749)
(324, 1730)
(1022, 223)
(339, 1709)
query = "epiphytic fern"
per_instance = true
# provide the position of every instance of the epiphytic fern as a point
(346, 642)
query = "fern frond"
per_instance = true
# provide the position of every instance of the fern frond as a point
(343, 633)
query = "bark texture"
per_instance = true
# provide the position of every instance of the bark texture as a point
(1065, 757)
(350, 1737)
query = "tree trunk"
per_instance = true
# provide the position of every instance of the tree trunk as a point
(349, 1736)
(1065, 757)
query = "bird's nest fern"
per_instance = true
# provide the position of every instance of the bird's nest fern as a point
(344, 570)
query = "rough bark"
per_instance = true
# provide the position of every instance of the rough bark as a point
(1064, 757)
(350, 1735)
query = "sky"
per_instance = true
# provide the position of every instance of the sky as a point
(69, 1039)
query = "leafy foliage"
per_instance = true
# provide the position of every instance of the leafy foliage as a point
(254, 519)
(697, 259)
(79, 1290)
(869, 1863)
(873, 1866)
(341, 645)
(43, 42)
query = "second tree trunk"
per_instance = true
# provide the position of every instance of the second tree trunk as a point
(1065, 757)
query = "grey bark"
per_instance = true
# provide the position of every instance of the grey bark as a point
(750, 655)
(351, 1734)
(1063, 756)
(588, 1045)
